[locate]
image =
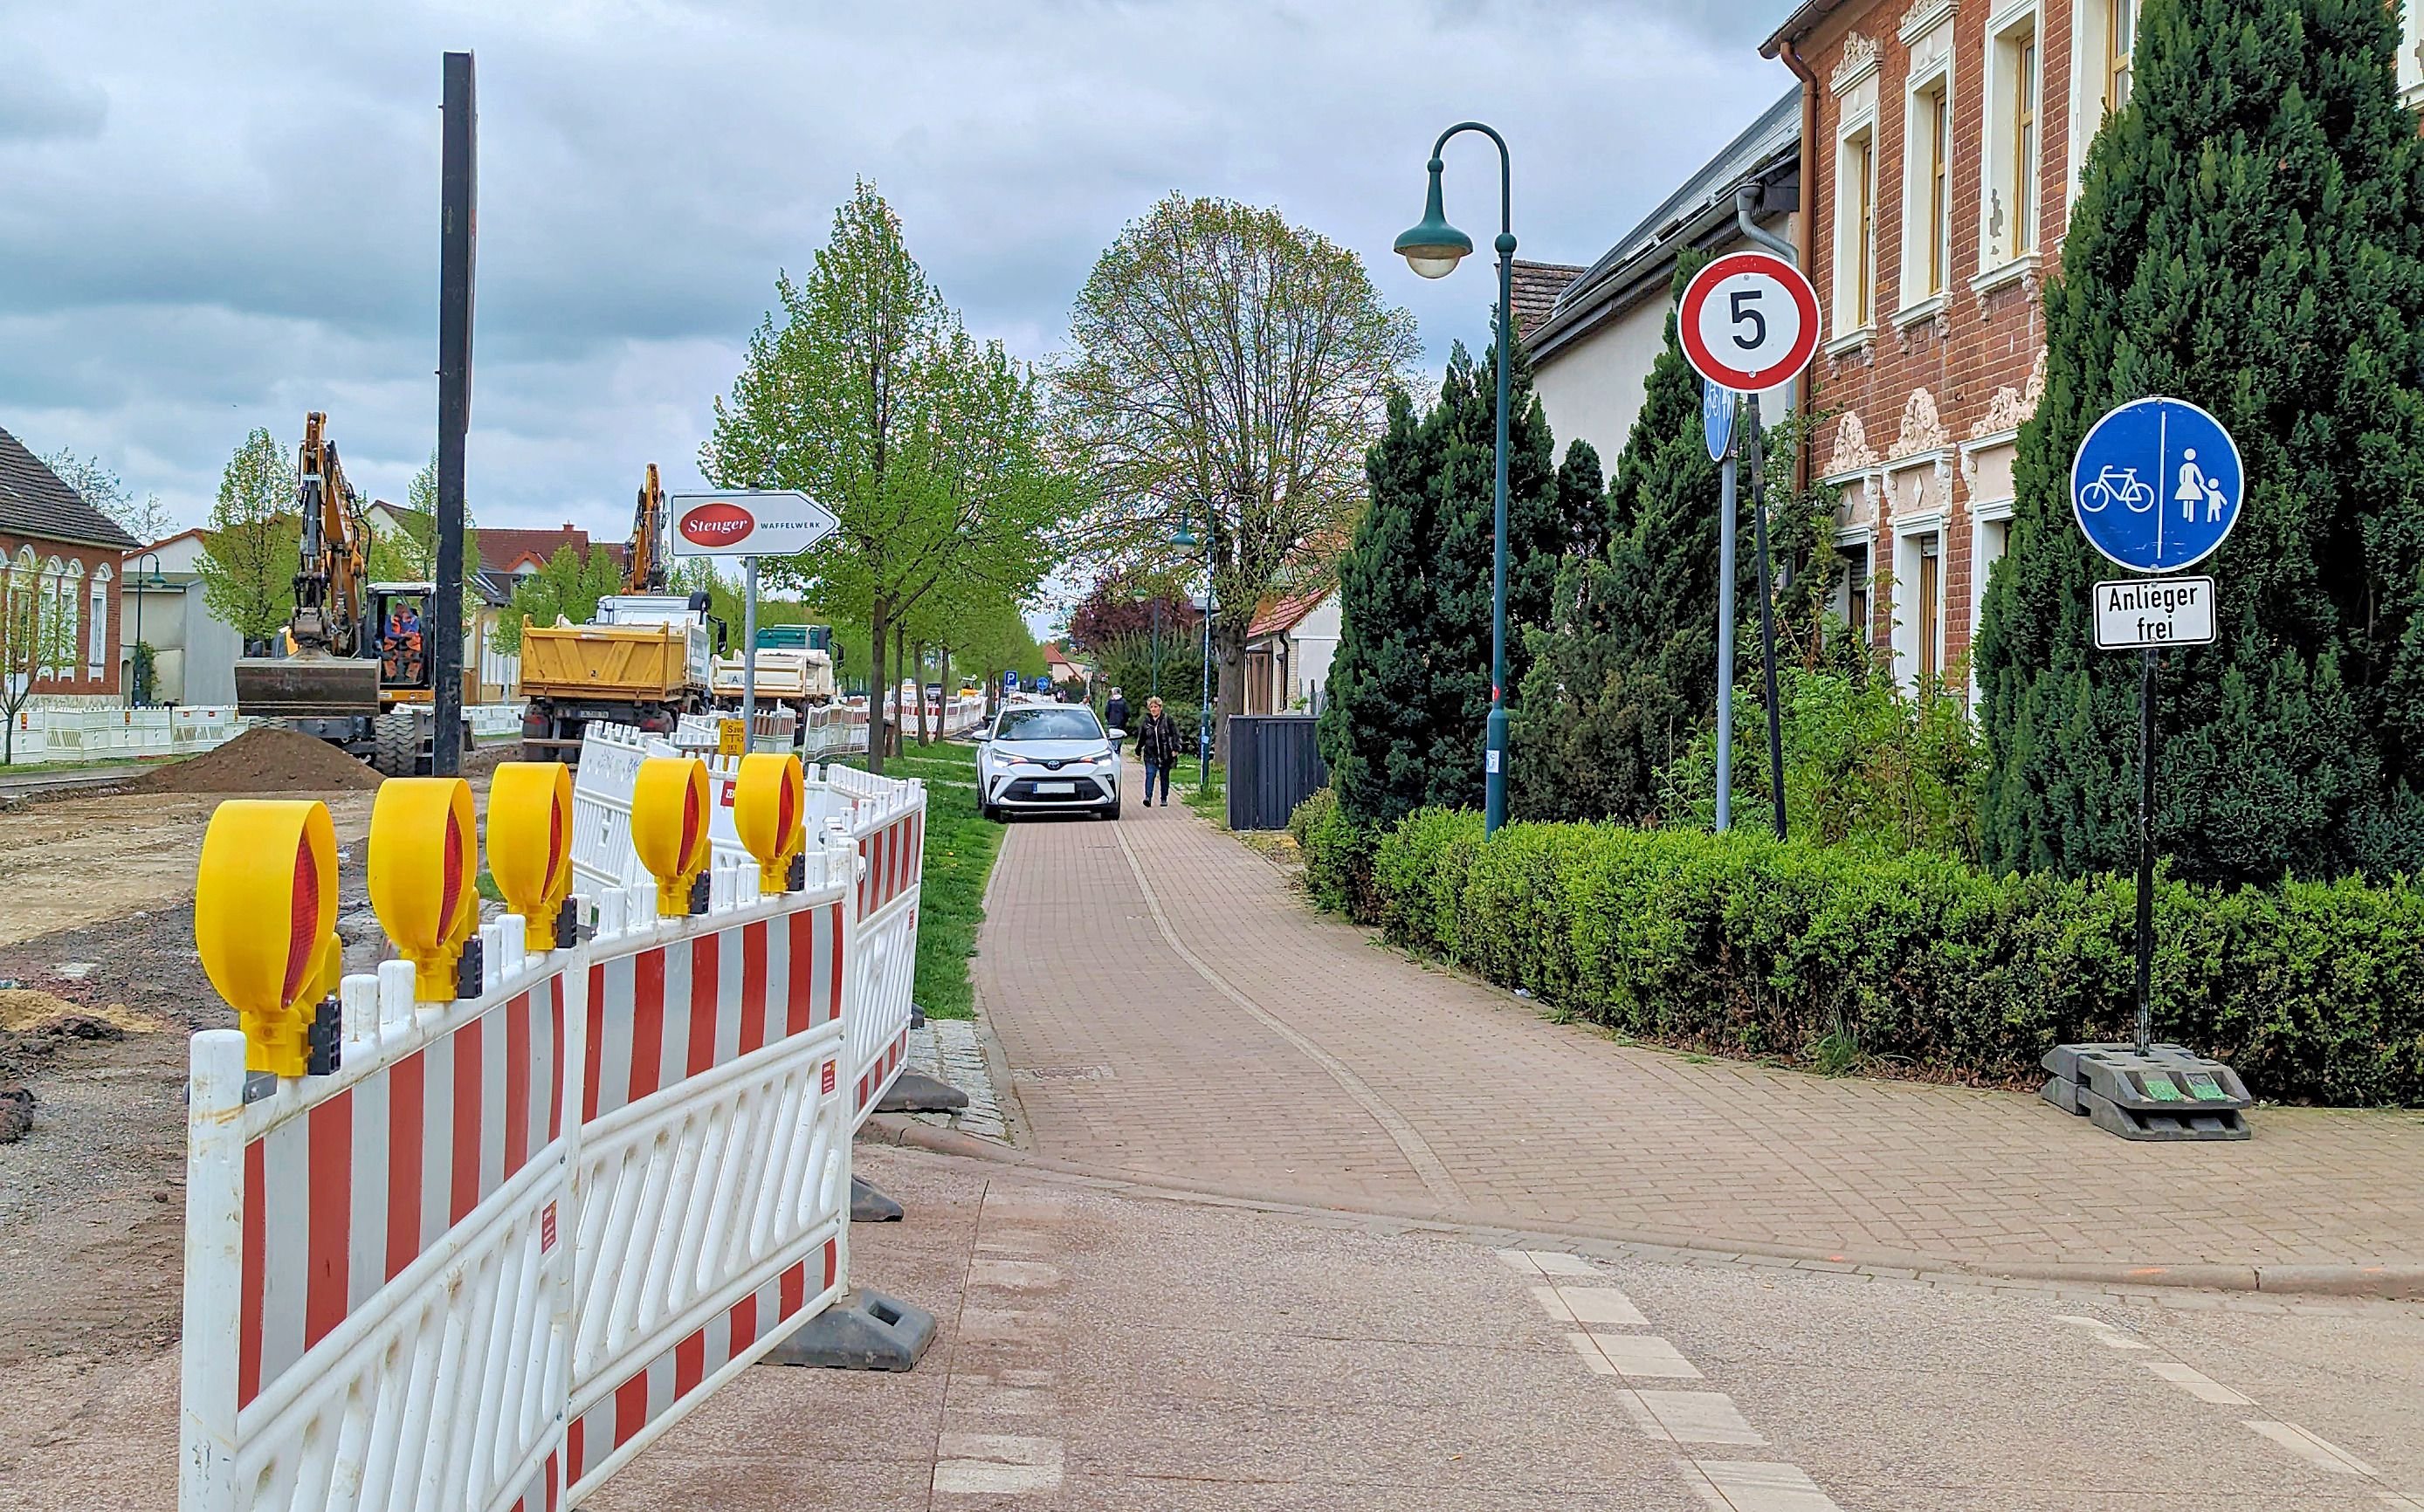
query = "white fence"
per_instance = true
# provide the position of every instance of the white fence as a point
(109, 734)
(513, 1238)
(885, 818)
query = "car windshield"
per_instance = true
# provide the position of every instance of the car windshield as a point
(1049, 725)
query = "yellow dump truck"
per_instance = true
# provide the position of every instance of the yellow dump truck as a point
(646, 661)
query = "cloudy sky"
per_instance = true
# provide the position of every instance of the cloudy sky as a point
(217, 217)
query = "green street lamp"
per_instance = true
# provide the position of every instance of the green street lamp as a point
(1433, 248)
(1186, 539)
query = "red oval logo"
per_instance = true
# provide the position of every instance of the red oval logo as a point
(717, 522)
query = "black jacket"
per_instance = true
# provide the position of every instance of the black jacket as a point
(1157, 740)
(1115, 714)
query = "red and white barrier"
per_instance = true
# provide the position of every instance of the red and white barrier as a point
(514, 1237)
(376, 1272)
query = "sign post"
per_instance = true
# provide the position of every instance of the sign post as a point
(749, 523)
(1717, 429)
(458, 200)
(2156, 488)
(1748, 322)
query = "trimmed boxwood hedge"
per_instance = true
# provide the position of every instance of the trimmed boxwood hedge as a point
(1740, 943)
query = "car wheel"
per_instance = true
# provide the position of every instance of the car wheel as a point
(988, 813)
(1109, 810)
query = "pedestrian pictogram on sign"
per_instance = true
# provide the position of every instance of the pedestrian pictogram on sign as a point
(2157, 485)
(1748, 321)
(1718, 419)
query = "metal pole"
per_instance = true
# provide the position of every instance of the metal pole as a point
(1766, 615)
(1156, 649)
(134, 656)
(2147, 669)
(1204, 709)
(458, 197)
(1494, 813)
(748, 654)
(1727, 511)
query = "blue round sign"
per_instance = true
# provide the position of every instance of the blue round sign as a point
(1716, 419)
(2157, 485)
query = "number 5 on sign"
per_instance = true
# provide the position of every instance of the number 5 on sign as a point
(1748, 321)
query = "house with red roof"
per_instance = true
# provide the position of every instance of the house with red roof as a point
(59, 585)
(1288, 650)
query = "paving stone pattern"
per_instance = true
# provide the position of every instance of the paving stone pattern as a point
(1169, 1007)
(952, 1050)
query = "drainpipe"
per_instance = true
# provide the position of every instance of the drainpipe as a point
(1805, 232)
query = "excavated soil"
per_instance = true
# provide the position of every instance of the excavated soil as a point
(265, 759)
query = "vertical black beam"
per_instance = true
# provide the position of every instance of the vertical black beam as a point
(2146, 677)
(459, 202)
(1757, 444)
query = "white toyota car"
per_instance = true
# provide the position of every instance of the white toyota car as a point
(1040, 757)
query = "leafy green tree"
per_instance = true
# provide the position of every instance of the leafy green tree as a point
(2246, 237)
(250, 546)
(1228, 369)
(146, 518)
(870, 396)
(567, 587)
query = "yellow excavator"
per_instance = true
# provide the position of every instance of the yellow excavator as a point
(355, 668)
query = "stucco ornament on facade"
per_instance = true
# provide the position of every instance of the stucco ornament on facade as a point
(2010, 407)
(1921, 430)
(1859, 55)
(1853, 453)
(1924, 16)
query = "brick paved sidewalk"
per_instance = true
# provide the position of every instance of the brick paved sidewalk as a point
(1169, 1007)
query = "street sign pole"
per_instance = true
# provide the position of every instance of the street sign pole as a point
(1757, 443)
(1727, 509)
(748, 654)
(458, 195)
(2147, 674)
(2138, 463)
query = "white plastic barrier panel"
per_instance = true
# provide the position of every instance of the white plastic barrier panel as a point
(377, 1261)
(890, 830)
(713, 1166)
(473, 1255)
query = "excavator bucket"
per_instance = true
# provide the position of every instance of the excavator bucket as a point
(306, 687)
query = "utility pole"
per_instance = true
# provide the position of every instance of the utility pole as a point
(459, 208)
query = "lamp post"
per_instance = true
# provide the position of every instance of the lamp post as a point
(1185, 540)
(135, 682)
(1433, 248)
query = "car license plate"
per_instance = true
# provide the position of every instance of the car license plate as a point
(1044, 789)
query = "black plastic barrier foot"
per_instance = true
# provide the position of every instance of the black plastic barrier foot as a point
(868, 1205)
(866, 1331)
(914, 1092)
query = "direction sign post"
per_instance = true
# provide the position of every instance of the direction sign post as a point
(1747, 322)
(749, 523)
(2156, 488)
(1717, 429)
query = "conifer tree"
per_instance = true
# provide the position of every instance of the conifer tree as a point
(2244, 239)
(1376, 727)
(1466, 506)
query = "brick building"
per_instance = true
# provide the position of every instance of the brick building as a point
(1944, 140)
(59, 569)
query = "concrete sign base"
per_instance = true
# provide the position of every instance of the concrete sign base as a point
(2166, 1093)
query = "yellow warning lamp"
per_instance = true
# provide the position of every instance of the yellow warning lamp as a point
(425, 871)
(265, 922)
(669, 827)
(768, 800)
(530, 844)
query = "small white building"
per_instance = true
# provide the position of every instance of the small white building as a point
(193, 654)
(1288, 651)
(1592, 350)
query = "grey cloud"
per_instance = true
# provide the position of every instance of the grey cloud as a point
(241, 223)
(38, 104)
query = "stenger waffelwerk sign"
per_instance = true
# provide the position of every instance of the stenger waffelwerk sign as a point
(749, 522)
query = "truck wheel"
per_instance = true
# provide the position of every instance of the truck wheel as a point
(395, 743)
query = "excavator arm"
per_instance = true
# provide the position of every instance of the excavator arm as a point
(334, 670)
(644, 560)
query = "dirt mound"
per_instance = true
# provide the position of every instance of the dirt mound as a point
(266, 758)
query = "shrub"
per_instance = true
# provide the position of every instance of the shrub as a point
(1337, 856)
(1738, 943)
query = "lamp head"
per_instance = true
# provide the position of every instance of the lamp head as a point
(1433, 247)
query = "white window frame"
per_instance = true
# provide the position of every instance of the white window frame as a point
(1855, 94)
(96, 663)
(1929, 39)
(1999, 256)
(72, 620)
(2091, 60)
(2411, 51)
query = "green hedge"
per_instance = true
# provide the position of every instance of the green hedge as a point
(1739, 944)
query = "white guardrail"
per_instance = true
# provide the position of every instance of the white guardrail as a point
(885, 818)
(510, 1239)
(43, 735)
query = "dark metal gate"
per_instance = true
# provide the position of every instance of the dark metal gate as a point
(1274, 764)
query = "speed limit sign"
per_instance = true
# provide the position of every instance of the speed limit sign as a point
(1748, 321)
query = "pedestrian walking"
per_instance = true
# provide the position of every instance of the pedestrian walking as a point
(1157, 747)
(1115, 715)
